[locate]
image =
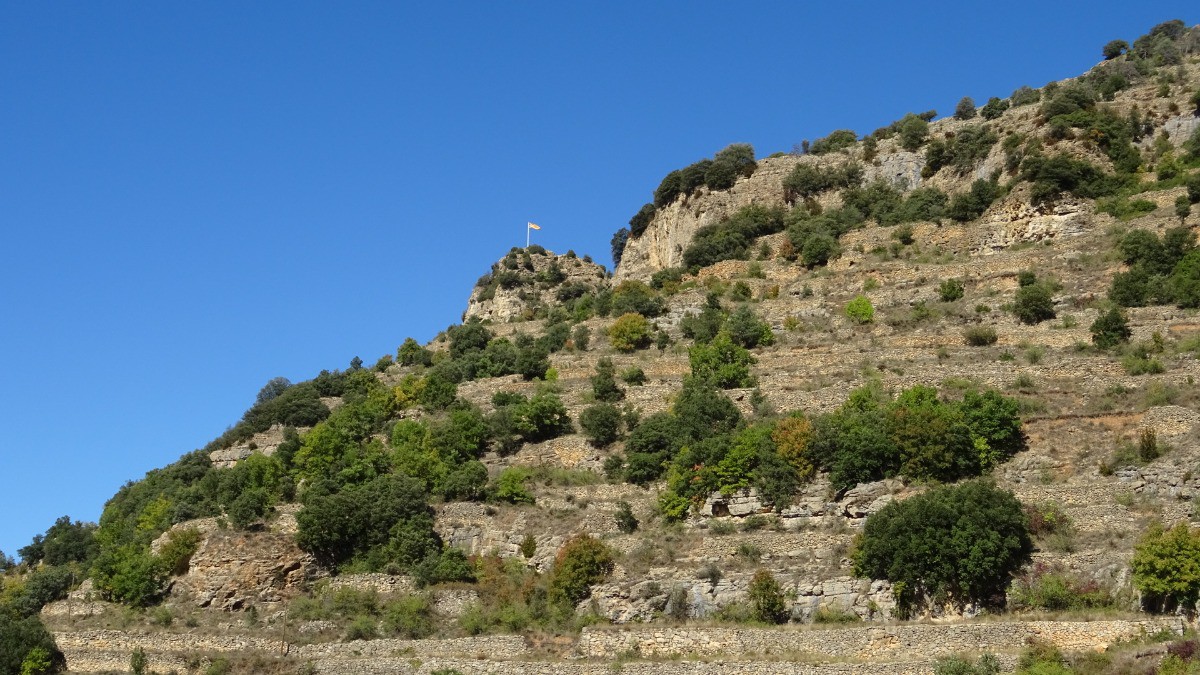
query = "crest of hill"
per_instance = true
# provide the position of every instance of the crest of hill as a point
(944, 159)
(526, 281)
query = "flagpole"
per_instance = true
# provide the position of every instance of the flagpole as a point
(527, 228)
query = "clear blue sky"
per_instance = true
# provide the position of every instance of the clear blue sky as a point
(198, 197)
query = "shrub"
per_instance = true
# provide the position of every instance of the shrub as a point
(965, 109)
(580, 563)
(835, 141)
(860, 310)
(722, 363)
(766, 598)
(980, 336)
(510, 486)
(978, 530)
(1114, 48)
(543, 417)
(634, 376)
(604, 383)
(629, 333)
(601, 423)
(1110, 329)
(1052, 176)
(913, 131)
(24, 640)
(636, 297)
(808, 180)
(994, 108)
(747, 330)
(1033, 304)
(950, 290)
(734, 161)
(956, 665)
(409, 617)
(1166, 567)
(626, 521)
(972, 204)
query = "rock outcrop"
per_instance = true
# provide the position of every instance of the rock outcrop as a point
(528, 279)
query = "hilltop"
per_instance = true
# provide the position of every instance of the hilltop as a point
(802, 367)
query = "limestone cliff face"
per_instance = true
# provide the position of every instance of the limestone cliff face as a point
(662, 244)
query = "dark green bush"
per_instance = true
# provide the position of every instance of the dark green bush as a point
(808, 180)
(601, 423)
(1052, 176)
(1024, 95)
(747, 330)
(627, 523)
(604, 383)
(966, 149)
(978, 531)
(730, 239)
(1110, 329)
(913, 131)
(1033, 304)
(994, 108)
(649, 448)
(1114, 48)
(835, 141)
(388, 511)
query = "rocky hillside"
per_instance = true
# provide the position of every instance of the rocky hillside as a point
(686, 466)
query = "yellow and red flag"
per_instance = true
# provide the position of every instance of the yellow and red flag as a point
(534, 227)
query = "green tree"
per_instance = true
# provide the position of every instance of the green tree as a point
(388, 510)
(913, 131)
(835, 141)
(543, 417)
(747, 330)
(766, 598)
(965, 109)
(1193, 188)
(1166, 567)
(1183, 208)
(601, 423)
(860, 310)
(994, 108)
(1114, 48)
(604, 383)
(722, 363)
(957, 544)
(637, 297)
(1110, 329)
(22, 638)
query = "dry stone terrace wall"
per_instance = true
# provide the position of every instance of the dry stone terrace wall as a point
(885, 643)
(476, 667)
(887, 649)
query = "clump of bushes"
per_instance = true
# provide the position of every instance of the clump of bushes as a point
(1161, 271)
(731, 238)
